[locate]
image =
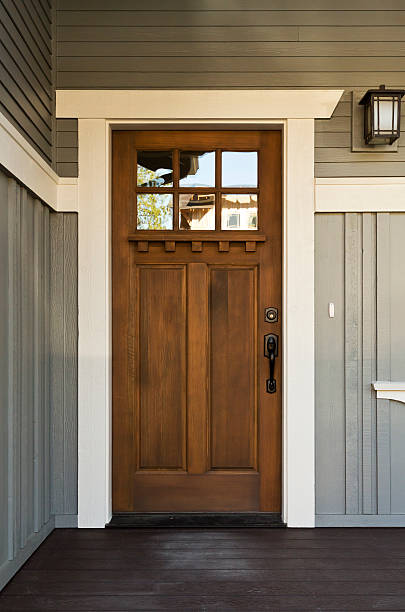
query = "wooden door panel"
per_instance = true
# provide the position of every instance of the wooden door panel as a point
(162, 388)
(233, 307)
(182, 492)
(194, 429)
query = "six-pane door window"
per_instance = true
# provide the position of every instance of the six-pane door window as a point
(197, 190)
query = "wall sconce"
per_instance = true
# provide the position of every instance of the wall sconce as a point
(382, 114)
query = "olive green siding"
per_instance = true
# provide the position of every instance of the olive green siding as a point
(126, 44)
(26, 70)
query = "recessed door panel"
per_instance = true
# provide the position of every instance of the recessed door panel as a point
(162, 372)
(233, 310)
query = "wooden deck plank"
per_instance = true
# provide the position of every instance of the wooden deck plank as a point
(328, 569)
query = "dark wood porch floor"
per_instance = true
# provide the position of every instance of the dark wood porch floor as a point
(185, 570)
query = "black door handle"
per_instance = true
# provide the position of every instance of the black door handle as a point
(271, 352)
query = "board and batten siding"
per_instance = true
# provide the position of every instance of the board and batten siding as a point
(26, 71)
(360, 450)
(130, 44)
(38, 372)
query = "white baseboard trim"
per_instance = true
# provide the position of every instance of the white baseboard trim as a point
(10, 568)
(360, 520)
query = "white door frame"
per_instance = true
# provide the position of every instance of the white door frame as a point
(98, 112)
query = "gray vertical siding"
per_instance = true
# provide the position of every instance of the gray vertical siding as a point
(359, 440)
(124, 44)
(29, 246)
(63, 388)
(26, 81)
(24, 490)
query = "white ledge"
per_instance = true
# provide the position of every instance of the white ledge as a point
(22, 161)
(205, 104)
(360, 194)
(390, 390)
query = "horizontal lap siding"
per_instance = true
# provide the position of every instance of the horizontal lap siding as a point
(26, 79)
(359, 440)
(238, 44)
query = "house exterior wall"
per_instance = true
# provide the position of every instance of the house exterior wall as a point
(26, 71)
(130, 44)
(228, 44)
(360, 455)
(32, 418)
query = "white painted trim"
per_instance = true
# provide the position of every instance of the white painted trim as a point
(94, 326)
(390, 390)
(204, 104)
(299, 347)
(360, 194)
(94, 279)
(22, 161)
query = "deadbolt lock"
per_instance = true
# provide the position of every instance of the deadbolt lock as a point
(270, 315)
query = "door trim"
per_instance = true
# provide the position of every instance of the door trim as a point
(95, 275)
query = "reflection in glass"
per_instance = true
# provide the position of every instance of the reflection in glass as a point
(197, 211)
(239, 169)
(239, 211)
(197, 168)
(154, 211)
(155, 169)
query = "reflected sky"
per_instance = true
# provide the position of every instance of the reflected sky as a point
(239, 169)
(205, 175)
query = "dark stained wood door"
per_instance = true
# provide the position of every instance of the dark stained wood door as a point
(196, 231)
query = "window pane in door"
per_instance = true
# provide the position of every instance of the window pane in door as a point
(154, 211)
(155, 169)
(197, 211)
(239, 169)
(197, 168)
(239, 211)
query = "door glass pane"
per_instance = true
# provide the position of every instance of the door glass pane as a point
(155, 169)
(239, 211)
(154, 211)
(239, 169)
(197, 168)
(197, 211)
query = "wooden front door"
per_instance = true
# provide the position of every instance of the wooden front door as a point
(196, 230)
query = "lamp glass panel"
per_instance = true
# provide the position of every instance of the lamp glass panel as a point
(384, 119)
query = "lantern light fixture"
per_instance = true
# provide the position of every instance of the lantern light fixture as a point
(382, 114)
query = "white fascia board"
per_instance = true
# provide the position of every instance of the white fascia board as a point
(360, 194)
(202, 104)
(19, 158)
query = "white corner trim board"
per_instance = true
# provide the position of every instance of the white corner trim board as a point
(390, 390)
(360, 194)
(204, 104)
(19, 158)
(98, 113)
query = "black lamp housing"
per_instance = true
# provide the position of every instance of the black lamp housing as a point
(382, 115)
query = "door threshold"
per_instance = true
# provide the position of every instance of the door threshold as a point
(215, 520)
